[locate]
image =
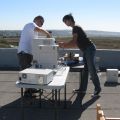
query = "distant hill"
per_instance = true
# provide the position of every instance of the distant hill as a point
(94, 33)
(62, 33)
(90, 33)
(10, 33)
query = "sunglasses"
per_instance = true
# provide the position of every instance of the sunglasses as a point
(41, 22)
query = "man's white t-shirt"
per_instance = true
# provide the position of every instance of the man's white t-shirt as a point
(26, 38)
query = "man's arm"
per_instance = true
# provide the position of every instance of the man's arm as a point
(42, 31)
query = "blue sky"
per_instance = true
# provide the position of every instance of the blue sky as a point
(90, 14)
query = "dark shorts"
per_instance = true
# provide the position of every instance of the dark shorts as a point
(25, 60)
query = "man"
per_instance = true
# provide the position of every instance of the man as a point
(24, 49)
(27, 35)
(88, 48)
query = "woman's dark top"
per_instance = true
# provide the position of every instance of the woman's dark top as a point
(82, 41)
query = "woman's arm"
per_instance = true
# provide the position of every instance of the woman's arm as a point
(71, 44)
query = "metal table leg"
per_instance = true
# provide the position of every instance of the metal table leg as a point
(22, 97)
(22, 103)
(40, 94)
(65, 96)
(53, 94)
(55, 104)
(80, 79)
(59, 96)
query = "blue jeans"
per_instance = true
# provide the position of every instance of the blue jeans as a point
(89, 68)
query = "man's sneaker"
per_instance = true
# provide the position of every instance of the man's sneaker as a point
(27, 94)
(34, 90)
(96, 93)
(78, 91)
(30, 93)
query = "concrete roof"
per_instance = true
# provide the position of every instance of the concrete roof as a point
(10, 102)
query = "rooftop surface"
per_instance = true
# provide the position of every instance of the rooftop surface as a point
(10, 102)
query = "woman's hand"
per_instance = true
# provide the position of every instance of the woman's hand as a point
(61, 44)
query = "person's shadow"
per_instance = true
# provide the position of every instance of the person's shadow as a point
(78, 108)
(13, 110)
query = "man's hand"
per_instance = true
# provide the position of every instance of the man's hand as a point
(49, 36)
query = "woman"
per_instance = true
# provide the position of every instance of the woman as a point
(80, 40)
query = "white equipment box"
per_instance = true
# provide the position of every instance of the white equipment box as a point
(112, 75)
(47, 56)
(43, 41)
(45, 52)
(36, 76)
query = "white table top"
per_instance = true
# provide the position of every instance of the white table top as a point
(58, 81)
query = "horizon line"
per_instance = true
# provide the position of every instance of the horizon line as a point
(62, 29)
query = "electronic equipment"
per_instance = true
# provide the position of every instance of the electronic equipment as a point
(45, 53)
(36, 76)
